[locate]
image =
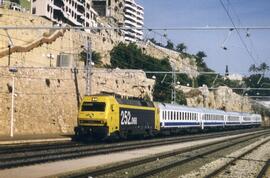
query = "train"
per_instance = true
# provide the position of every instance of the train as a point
(104, 116)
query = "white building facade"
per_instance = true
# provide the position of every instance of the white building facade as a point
(133, 18)
(72, 12)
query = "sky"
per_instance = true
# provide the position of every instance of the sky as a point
(202, 13)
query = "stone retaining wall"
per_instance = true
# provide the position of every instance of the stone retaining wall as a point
(47, 99)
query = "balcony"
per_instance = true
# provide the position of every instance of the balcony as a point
(58, 3)
(131, 18)
(132, 8)
(80, 9)
(130, 23)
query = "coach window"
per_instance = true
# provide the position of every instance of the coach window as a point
(163, 115)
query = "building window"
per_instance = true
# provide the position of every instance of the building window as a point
(88, 6)
(87, 15)
(33, 10)
(48, 8)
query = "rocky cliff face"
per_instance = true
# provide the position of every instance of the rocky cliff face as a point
(70, 42)
(220, 98)
(177, 60)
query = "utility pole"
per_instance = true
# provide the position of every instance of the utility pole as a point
(88, 67)
(9, 46)
(173, 98)
(13, 70)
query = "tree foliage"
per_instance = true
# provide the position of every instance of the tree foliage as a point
(170, 45)
(181, 47)
(131, 57)
(263, 67)
(96, 58)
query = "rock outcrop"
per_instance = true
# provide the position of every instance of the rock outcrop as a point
(220, 98)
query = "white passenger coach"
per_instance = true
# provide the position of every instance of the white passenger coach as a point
(174, 116)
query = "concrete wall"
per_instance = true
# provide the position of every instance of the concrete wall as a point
(47, 99)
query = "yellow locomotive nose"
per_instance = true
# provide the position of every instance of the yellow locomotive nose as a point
(92, 113)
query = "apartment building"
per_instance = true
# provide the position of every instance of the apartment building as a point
(133, 18)
(126, 13)
(72, 12)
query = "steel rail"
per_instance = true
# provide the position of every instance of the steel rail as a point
(263, 171)
(13, 160)
(219, 170)
(181, 162)
(104, 171)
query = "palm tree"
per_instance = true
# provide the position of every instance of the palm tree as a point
(264, 67)
(201, 54)
(181, 47)
(253, 68)
(169, 45)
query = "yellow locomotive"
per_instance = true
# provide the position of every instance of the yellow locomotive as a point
(102, 116)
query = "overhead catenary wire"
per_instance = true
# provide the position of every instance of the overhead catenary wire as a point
(206, 28)
(247, 31)
(237, 30)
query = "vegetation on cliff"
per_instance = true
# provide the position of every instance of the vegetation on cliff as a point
(130, 56)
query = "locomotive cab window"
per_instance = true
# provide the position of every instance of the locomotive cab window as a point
(93, 106)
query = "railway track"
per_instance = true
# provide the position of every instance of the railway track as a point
(190, 154)
(233, 160)
(263, 172)
(27, 155)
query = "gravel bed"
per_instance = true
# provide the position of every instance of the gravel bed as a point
(267, 173)
(180, 169)
(210, 167)
(250, 165)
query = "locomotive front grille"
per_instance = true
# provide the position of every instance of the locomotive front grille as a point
(90, 122)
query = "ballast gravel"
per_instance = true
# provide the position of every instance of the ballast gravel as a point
(61, 167)
(250, 165)
(245, 168)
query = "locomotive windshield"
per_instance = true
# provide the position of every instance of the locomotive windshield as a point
(93, 106)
